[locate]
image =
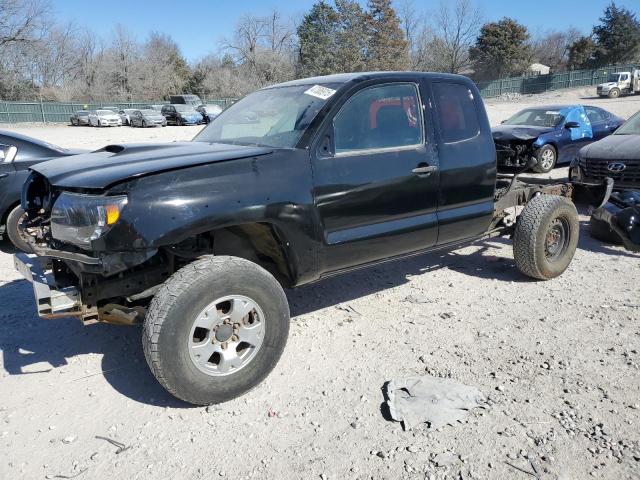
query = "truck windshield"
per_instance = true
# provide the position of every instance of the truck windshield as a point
(536, 117)
(613, 78)
(273, 117)
(630, 127)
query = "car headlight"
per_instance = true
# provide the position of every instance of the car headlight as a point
(79, 219)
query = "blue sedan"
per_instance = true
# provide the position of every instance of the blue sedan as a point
(552, 134)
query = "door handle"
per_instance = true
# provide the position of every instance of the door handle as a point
(2, 175)
(426, 170)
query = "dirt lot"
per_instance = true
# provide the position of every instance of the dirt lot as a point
(558, 361)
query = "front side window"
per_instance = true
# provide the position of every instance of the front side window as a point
(385, 116)
(456, 111)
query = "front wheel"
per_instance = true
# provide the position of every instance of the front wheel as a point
(546, 237)
(144, 124)
(216, 329)
(16, 231)
(614, 93)
(547, 158)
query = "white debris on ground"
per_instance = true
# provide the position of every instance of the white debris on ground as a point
(427, 399)
(558, 361)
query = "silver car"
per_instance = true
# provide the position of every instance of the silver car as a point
(125, 115)
(81, 117)
(147, 118)
(104, 118)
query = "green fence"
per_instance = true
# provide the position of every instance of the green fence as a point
(55, 112)
(553, 81)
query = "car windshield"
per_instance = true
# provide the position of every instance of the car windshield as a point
(105, 112)
(630, 127)
(273, 117)
(536, 117)
(149, 112)
(184, 108)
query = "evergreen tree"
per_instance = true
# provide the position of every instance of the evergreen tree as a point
(582, 53)
(388, 48)
(500, 50)
(617, 36)
(317, 36)
(351, 37)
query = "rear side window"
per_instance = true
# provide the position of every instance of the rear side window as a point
(596, 114)
(456, 112)
(385, 116)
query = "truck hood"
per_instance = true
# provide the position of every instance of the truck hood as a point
(607, 84)
(518, 132)
(116, 163)
(614, 147)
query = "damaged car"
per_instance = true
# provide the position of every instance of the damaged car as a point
(551, 134)
(616, 157)
(290, 185)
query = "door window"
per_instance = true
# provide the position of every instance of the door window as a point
(380, 117)
(7, 153)
(456, 112)
(596, 115)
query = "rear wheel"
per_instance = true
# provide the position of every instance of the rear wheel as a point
(546, 236)
(179, 122)
(614, 93)
(547, 158)
(16, 231)
(216, 329)
(144, 124)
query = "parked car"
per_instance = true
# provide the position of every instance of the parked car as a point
(180, 114)
(209, 112)
(552, 134)
(104, 118)
(196, 239)
(125, 114)
(81, 117)
(193, 100)
(147, 118)
(17, 154)
(113, 109)
(616, 156)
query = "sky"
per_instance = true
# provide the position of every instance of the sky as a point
(199, 26)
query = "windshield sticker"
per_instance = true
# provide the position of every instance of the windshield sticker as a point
(551, 112)
(320, 92)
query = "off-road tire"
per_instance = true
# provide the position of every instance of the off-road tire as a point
(601, 230)
(176, 305)
(532, 228)
(538, 168)
(13, 230)
(614, 93)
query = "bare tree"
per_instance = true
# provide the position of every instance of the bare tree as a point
(552, 48)
(21, 21)
(456, 27)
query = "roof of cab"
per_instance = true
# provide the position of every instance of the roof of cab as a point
(360, 76)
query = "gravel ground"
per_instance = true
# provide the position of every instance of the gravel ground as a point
(558, 362)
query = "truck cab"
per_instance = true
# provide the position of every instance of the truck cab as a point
(620, 83)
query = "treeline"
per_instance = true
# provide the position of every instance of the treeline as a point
(44, 59)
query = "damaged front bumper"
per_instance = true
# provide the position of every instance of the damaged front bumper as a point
(52, 301)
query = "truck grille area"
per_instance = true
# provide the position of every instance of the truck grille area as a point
(599, 169)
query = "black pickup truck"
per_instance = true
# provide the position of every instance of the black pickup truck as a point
(293, 183)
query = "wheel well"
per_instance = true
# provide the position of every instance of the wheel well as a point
(256, 242)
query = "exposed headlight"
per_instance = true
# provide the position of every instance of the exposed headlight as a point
(79, 219)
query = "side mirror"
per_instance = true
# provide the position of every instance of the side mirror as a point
(570, 125)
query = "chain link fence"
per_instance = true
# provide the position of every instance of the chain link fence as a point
(56, 112)
(553, 81)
